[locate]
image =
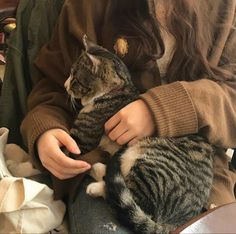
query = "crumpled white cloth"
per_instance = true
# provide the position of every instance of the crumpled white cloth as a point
(26, 206)
(18, 161)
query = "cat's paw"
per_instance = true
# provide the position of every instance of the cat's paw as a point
(96, 189)
(212, 206)
(98, 171)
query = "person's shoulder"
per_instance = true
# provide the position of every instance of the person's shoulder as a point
(86, 8)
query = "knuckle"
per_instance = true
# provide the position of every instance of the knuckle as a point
(128, 122)
(106, 126)
(112, 136)
(122, 115)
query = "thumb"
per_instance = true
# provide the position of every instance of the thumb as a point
(70, 144)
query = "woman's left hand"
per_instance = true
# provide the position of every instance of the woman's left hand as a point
(131, 123)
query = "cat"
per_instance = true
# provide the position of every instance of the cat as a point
(155, 185)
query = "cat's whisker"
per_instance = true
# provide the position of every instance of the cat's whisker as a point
(73, 102)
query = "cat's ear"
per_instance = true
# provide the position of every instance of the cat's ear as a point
(94, 61)
(87, 43)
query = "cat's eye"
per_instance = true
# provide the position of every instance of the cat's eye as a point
(74, 82)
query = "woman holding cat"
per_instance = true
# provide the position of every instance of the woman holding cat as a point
(181, 55)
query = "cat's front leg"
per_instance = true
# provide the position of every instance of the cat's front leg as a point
(108, 145)
(98, 171)
(96, 189)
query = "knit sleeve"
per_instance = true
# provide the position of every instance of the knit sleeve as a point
(173, 110)
(216, 110)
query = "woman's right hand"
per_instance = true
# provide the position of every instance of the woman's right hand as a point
(53, 159)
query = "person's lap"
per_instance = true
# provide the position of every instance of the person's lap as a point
(92, 215)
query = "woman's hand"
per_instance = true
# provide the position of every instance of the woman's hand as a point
(54, 159)
(131, 123)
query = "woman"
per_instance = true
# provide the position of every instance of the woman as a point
(181, 55)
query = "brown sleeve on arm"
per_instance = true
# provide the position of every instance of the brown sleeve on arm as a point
(201, 106)
(47, 103)
(173, 110)
(216, 110)
(215, 102)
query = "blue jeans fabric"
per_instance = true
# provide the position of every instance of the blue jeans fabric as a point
(92, 215)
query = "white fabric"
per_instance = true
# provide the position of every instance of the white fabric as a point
(26, 206)
(18, 161)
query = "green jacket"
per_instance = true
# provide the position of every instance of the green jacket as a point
(35, 22)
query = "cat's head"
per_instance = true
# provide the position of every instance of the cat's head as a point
(95, 73)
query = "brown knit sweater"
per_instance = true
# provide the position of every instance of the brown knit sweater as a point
(178, 108)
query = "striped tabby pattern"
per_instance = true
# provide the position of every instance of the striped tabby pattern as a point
(156, 184)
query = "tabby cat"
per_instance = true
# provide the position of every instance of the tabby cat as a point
(154, 185)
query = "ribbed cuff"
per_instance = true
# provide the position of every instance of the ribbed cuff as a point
(173, 110)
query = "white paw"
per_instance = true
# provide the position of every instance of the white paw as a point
(212, 206)
(96, 189)
(98, 171)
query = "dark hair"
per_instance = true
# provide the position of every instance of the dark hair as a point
(133, 22)
(187, 21)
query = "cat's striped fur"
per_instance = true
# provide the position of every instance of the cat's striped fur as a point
(154, 185)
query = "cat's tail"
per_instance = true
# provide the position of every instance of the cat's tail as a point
(121, 199)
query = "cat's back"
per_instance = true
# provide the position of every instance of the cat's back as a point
(169, 178)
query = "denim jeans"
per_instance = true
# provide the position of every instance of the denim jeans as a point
(92, 215)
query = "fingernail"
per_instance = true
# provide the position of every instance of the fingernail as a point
(87, 166)
(77, 151)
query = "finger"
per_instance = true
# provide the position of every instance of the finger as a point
(65, 139)
(66, 162)
(126, 138)
(66, 171)
(116, 132)
(64, 176)
(60, 175)
(133, 141)
(112, 122)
